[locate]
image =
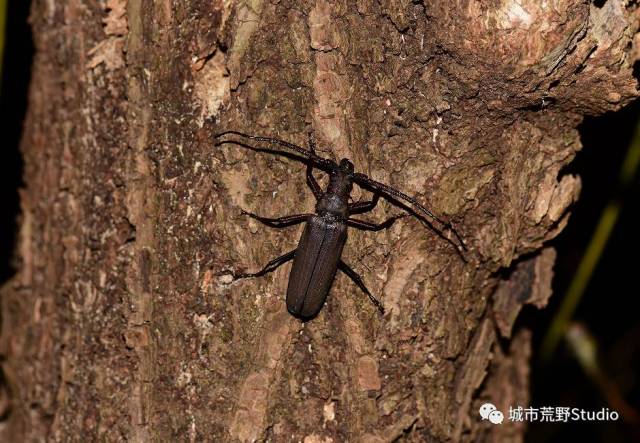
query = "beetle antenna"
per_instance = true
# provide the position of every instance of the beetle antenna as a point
(363, 180)
(308, 154)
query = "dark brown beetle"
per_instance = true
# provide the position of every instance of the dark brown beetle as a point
(318, 255)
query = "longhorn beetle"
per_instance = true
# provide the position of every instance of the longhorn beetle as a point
(319, 251)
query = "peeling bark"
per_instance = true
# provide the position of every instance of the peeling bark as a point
(119, 325)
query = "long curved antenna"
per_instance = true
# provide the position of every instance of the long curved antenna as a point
(308, 154)
(365, 181)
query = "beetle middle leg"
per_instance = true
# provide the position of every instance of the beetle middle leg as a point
(353, 275)
(368, 226)
(269, 267)
(281, 222)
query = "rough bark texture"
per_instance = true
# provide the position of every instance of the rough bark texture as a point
(119, 325)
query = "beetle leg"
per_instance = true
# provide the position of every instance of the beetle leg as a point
(353, 275)
(368, 226)
(311, 181)
(313, 184)
(281, 222)
(362, 207)
(269, 267)
(393, 195)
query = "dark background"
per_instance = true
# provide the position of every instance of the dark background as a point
(608, 307)
(606, 310)
(16, 67)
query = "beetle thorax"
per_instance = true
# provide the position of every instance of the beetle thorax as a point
(336, 198)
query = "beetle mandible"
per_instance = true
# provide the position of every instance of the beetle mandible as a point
(318, 254)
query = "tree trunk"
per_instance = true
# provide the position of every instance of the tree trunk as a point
(122, 322)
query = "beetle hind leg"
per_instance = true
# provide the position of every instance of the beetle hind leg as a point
(353, 275)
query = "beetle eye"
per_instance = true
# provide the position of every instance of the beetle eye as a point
(346, 165)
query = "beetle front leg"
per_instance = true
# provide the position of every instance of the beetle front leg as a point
(362, 207)
(353, 275)
(368, 226)
(311, 180)
(269, 267)
(281, 222)
(313, 184)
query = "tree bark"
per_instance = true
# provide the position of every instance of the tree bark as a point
(121, 323)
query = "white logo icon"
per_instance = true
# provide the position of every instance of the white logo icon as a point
(496, 417)
(486, 409)
(489, 412)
